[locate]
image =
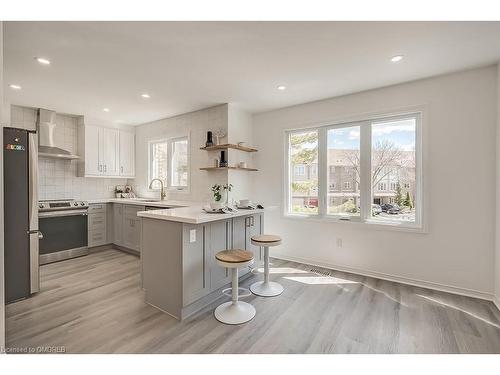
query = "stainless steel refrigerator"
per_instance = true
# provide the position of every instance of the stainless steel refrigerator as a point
(20, 151)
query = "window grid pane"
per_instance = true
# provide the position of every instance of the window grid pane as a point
(343, 159)
(393, 170)
(179, 175)
(303, 188)
(159, 162)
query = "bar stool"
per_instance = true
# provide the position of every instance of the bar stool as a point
(234, 312)
(266, 288)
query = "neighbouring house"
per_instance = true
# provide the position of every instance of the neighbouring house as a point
(343, 178)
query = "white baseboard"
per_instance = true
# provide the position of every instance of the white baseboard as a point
(394, 278)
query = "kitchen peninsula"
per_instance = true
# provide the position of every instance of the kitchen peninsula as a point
(179, 271)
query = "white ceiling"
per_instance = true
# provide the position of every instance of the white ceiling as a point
(186, 66)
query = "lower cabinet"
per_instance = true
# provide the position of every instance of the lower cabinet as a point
(220, 239)
(97, 217)
(118, 224)
(132, 233)
(127, 226)
(244, 227)
(195, 259)
(201, 272)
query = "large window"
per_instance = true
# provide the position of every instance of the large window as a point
(168, 161)
(366, 171)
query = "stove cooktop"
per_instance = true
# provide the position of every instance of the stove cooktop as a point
(63, 204)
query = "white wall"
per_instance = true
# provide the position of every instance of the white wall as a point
(458, 250)
(497, 244)
(195, 125)
(240, 129)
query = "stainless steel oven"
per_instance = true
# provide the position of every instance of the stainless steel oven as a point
(64, 229)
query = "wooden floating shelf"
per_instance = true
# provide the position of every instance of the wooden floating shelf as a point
(227, 146)
(225, 168)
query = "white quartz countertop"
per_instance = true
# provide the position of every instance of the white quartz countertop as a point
(192, 214)
(145, 202)
(178, 211)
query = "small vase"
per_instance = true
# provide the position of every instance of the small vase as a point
(215, 205)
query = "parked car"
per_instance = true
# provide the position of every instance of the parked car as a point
(376, 209)
(391, 209)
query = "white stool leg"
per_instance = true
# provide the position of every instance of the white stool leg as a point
(234, 312)
(266, 288)
(266, 265)
(234, 285)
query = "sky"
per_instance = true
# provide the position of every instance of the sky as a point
(401, 133)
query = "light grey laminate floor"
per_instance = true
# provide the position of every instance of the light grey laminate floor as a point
(94, 304)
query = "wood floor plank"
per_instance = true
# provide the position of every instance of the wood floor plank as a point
(94, 304)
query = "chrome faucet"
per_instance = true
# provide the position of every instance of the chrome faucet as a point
(162, 193)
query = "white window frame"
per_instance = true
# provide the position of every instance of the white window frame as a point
(365, 178)
(167, 182)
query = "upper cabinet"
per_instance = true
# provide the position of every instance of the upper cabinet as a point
(109, 151)
(127, 154)
(105, 152)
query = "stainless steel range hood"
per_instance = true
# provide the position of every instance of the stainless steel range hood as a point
(46, 125)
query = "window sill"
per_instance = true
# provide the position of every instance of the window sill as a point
(169, 190)
(371, 224)
(182, 191)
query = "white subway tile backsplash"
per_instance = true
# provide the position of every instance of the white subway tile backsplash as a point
(57, 178)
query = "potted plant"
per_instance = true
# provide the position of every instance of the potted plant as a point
(218, 191)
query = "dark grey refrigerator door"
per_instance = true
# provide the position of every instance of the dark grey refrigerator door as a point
(16, 214)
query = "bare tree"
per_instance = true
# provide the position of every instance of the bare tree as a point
(386, 158)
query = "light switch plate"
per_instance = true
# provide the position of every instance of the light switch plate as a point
(192, 235)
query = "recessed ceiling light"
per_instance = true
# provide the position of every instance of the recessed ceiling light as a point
(42, 60)
(146, 96)
(397, 58)
(105, 109)
(281, 87)
(15, 87)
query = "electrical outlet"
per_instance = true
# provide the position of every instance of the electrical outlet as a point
(192, 235)
(339, 242)
(111, 188)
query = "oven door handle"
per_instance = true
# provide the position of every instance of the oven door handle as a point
(62, 213)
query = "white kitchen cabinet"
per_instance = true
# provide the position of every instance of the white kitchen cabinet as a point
(110, 150)
(127, 154)
(92, 166)
(99, 150)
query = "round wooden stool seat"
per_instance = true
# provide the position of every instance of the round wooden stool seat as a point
(235, 256)
(266, 240)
